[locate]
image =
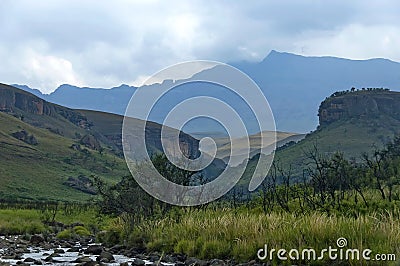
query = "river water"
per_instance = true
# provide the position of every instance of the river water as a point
(38, 255)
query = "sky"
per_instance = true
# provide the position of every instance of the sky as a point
(102, 43)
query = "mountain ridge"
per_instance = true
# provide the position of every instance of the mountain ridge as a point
(47, 148)
(293, 84)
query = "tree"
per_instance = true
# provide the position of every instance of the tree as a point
(129, 201)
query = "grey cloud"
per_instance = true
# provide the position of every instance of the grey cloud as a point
(105, 43)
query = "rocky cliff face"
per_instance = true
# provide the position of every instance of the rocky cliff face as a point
(359, 104)
(13, 100)
(98, 127)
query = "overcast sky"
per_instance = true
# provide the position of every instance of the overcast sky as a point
(106, 43)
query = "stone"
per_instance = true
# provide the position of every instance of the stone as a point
(138, 262)
(154, 258)
(83, 259)
(195, 262)
(36, 239)
(105, 257)
(217, 262)
(74, 249)
(169, 259)
(59, 251)
(94, 249)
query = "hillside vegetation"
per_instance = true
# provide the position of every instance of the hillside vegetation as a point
(50, 152)
(352, 122)
(38, 172)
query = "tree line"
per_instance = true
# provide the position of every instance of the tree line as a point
(353, 89)
(333, 183)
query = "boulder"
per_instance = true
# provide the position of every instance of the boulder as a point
(83, 259)
(36, 239)
(138, 262)
(94, 249)
(195, 262)
(25, 137)
(105, 257)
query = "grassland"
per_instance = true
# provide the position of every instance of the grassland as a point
(352, 137)
(37, 172)
(239, 234)
(20, 221)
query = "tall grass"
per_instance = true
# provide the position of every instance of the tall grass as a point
(229, 234)
(29, 221)
(15, 222)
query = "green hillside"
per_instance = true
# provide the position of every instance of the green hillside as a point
(37, 172)
(350, 122)
(50, 152)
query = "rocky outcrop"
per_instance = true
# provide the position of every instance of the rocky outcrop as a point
(25, 137)
(359, 104)
(102, 129)
(188, 145)
(10, 100)
(13, 100)
(81, 183)
(91, 142)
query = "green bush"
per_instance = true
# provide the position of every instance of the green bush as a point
(216, 249)
(81, 231)
(66, 234)
(186, 247)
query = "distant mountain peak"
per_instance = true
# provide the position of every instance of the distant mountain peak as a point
(278, 56)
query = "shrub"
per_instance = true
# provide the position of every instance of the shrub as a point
(66, 234)
(215, 249)
(81, 231)
(186, 247)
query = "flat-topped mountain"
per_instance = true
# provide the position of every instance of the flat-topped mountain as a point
(352, 122)
(359, 104)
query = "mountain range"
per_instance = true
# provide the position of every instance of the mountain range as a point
(294, 85)
(49, 152)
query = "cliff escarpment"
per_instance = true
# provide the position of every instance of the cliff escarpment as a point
(377, 103)
(104, 129)
(18, 102)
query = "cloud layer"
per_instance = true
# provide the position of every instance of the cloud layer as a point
(105, 43)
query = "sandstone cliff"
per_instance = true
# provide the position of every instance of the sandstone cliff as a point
(97, 128)
(359, 104)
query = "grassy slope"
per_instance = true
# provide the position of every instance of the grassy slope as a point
(37, 172)
(352, 137)
(224, 146)
(106, 123)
